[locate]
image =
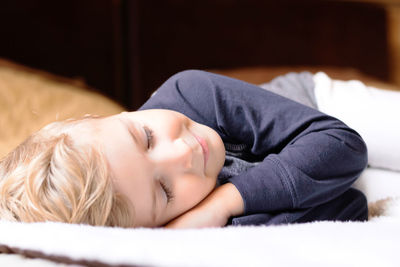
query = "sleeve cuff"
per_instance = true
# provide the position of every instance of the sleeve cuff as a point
(265, 188)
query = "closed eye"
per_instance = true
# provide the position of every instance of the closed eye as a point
(149, 136)
(167, 191)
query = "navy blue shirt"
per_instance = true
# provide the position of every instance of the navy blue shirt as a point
(304, 157)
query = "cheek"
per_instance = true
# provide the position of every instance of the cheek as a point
(217, 149)
(192, 192)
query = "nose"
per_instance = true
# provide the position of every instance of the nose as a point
(181, 154)
(176, 157)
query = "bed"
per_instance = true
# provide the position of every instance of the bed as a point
(31, 98)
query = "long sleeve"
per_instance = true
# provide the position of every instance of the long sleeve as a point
(306, 157)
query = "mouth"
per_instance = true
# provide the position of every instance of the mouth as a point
(204, 147)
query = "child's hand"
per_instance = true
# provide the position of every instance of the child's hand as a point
(213, 211)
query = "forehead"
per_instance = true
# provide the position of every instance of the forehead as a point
(86, 134)
(112, 138)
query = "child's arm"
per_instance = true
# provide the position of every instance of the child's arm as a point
(214, 211)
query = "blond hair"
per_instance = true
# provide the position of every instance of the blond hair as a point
(50, 178)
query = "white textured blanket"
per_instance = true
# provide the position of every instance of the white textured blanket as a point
(375, 243)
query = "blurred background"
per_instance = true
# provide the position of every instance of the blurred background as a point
(126, 48)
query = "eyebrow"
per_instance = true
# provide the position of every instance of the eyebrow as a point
(154, 205)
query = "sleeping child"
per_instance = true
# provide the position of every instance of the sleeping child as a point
(204, 151)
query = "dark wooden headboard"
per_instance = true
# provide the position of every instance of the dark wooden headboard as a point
(126, 48)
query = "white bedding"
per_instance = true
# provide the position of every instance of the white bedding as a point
(374, 243)
(379, 184)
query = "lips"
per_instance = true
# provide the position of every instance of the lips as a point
(204, 147)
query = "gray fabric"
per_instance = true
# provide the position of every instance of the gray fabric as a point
(295, 86)
(233, 166)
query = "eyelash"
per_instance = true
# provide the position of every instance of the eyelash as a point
(167, 192)
(149, 135)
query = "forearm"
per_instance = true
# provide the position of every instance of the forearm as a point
(214, 211)
(230, 199)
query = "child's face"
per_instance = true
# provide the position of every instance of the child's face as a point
(174, 159)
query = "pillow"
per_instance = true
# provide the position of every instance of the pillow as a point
(30, 99)
(372, 112)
